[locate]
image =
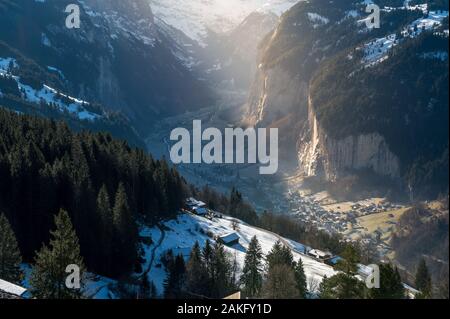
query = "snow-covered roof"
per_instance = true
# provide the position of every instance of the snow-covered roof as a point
(229, 237)
(193, 202)
(11, 288)
(319, 253)
(200, 210)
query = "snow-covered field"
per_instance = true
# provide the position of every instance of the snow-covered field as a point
(181, 234)
(195, 17)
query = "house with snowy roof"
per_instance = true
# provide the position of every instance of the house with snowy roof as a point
(9, 290)
(320, 255)
(229, 239)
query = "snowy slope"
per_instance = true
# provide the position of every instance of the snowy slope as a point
(196, 17)
(181, 234)
(377, 50)
(46, 94)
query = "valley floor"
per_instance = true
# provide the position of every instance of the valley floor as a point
(371, 219)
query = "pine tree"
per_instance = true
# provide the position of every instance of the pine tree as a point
(344, 285)
(208, 257)
(48, 278)
(279, 255)
(147, 289)
(341, 286)
(125, 237)
(196, 274)
(391, 286)
(251, 278)
(222, 279)
(423, 281)
(280, 283)
(106, 229)
(174, 284)
(300, 279)
(10, 257)
(349, 261)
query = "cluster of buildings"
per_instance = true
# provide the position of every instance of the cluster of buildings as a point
(196, 207)
(359, 210)
(310, 211)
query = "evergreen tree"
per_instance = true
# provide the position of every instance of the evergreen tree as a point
(344, 285)
(174, 284)
(251, 278)
(349, 261)
(279, 255)
(208, 258)
(147, 289)
(341, 286)
(222, 279)
(125, 237)
(196, 274)
(300, 279)
(280, 283)
(106, 229)
(423, 281)
(10, 257)
(391, 286)
(48, 278)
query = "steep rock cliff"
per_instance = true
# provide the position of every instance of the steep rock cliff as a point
(322, 155)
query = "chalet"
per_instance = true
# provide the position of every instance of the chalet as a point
(192, 202)
(320, 255)
(11, 291)
(229, 240)
(200, 211)
(196, 207)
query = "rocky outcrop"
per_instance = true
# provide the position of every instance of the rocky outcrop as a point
(275, 95)
(322, 155)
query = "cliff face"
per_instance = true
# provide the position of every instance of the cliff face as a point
(277, 99)
(275, 95)
(321, 155)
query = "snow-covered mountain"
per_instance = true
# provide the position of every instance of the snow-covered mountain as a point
(197, 17)
(119, 57)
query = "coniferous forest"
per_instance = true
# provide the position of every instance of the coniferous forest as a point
(104, 185)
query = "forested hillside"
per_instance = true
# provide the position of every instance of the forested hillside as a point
(412, 114)
(331, 81)
(104, 184)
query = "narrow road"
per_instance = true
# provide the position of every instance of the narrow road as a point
(153, 253)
